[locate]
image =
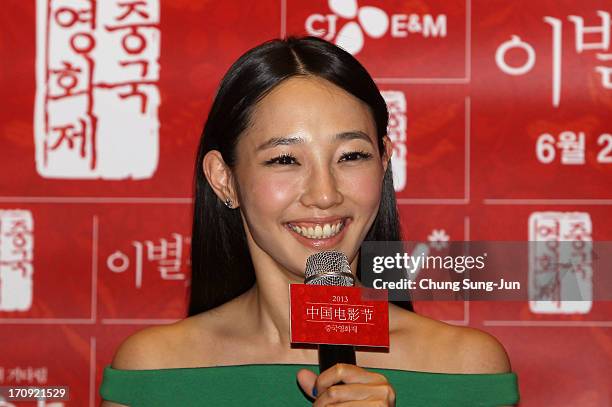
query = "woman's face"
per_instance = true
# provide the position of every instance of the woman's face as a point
(309, 174)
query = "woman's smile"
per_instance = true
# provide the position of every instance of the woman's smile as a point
(323, 233)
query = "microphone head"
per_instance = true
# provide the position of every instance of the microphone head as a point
(328, 268)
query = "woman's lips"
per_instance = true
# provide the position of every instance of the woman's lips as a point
(320, 243)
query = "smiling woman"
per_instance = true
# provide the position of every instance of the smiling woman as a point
(326, 173)
(294, 159)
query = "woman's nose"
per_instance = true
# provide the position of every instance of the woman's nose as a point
(322, 190)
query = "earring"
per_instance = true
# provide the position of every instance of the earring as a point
(228, 203)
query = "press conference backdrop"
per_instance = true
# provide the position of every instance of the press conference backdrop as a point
(499, 113)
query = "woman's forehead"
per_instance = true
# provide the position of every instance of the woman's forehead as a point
(309, 106)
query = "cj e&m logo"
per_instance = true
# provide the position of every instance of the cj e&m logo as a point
(372, 22)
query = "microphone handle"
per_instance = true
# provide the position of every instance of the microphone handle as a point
(329, 355)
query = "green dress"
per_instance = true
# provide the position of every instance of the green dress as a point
(276, 385)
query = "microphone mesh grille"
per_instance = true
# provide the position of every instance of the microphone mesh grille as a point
(328, 268)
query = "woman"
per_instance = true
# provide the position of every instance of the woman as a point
(294, 159)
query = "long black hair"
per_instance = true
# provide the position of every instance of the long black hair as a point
(222, 268)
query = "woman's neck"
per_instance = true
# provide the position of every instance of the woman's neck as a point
(268, 303)
(268, 300)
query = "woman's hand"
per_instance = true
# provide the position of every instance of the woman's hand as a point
(359, 387)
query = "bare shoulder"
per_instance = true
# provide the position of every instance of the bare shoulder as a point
(447, 348)
(160, 347)
(195, 341)
(147, 348)
(478, 351)
(143, 349)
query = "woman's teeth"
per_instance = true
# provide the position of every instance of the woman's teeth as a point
(319, 232)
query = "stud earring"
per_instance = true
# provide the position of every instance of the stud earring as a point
(228, 203)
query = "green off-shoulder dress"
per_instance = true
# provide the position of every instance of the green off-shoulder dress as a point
(275, 385)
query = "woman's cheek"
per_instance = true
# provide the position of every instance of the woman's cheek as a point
(365, 189)
(272, 193)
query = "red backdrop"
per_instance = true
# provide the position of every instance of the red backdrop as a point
(500, 113)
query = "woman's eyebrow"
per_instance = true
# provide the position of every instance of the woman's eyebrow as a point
(278, 141)
(345, 135)
(352, 135)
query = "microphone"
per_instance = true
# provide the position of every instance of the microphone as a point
(331, 268)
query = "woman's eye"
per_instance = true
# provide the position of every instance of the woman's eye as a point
(283, 159)
(355, 155)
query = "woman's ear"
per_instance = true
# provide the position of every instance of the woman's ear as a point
(220, 177)
(388, 146)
